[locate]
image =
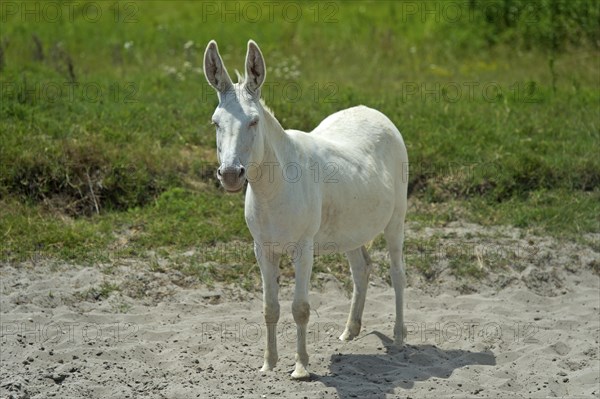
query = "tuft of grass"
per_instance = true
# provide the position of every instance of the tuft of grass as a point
(464, 265)
(106, 288)
(103, 291)
(424, 256)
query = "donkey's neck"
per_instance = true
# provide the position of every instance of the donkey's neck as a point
(277, 151)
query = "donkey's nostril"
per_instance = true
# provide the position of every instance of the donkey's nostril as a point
(232, 177)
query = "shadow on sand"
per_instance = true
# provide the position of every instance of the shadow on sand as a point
(374, 376)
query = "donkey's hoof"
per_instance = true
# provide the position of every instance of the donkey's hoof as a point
(351, 331)
(268, 366)
(399, 340)
(347, 336)
(300, 373)
(400, 337)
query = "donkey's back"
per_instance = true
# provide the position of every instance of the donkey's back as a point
(361, 159)
(356, 126)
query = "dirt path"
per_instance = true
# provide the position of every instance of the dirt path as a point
(528, 331)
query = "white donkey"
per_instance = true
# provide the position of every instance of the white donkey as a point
(331, 190)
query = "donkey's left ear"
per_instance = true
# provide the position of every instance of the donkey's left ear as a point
(255, 68)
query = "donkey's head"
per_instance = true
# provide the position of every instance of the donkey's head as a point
(239, 116)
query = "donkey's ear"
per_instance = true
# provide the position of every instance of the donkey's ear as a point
(214, 70)
(255, 68)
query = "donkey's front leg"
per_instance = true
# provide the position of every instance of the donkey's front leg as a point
(269, 268)
(303, 262)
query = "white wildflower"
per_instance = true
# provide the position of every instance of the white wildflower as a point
(169, 70)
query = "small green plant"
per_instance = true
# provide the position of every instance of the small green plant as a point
(107, 288)
(99, 293)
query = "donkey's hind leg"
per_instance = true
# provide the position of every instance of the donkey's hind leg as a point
(394, 235)
(360, 264)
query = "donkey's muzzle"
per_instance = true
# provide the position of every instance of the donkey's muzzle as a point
(232, 178)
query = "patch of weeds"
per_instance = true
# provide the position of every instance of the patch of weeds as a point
(431, 214)
(423, 255)
(204, 272)
(99, 293)
(232, 263)
(463, 265)
(250, 282)
(155, 266)
(381, 267)
(595, 266)
(122, 307)
(109, 269)
(593, 243)
(466, 289)
(335, 264)
(107, 288)
(497, 261)
(378, 243)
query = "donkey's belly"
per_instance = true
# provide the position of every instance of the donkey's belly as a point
(346, 227)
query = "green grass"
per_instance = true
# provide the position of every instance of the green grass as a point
(105, 145)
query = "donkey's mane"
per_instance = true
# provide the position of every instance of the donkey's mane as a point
(266, 108)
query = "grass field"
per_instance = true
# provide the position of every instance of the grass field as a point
(106, 146)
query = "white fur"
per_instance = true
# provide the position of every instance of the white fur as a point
(332, 190)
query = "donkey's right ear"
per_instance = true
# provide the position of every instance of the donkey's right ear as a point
(214, 70)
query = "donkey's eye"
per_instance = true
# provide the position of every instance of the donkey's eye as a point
(253, 122)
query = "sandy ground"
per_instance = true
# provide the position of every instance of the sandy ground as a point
(530, 330)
